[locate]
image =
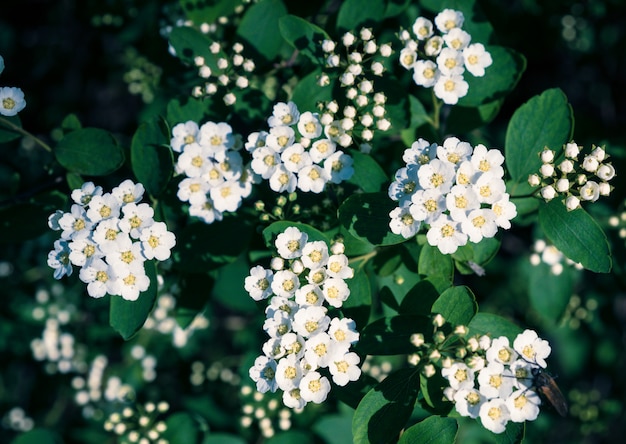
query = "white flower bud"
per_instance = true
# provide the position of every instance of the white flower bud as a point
(277, 263)
(599, 153)
(548, 192)
(242, 82)
(590, 163)
(198, 60)
(297, 266)
(366, 86)
(210, 88)
(223, 79)
(351, 93)
(604, 188)
(404, 35)
(349, 111)
(547, 170)
(205, 72)
(324, 80)
(581, 179)
(337, 248)
(229, 99)
(534, 180)
(562, 185)
(248, 66)
(556, 269)
(348, 39)
(547, 156)
(380, 98)
(332, 106)
(567, 166)
(605, 171)
(438, 320)
(345, 140)
(383, 124)
(205, 28)
(328, 45)
(355, 57)
(238, 60)
(222, 63)
(535, 259)
(429, 370)
(305, 142)
(347, 78)
(332, 60)
(367, 134)
(366, 33)
(355, 69)
(377, 68)
(385, 50)
(378, 111)
(370, 47)
(417, 339)
(572, 150)
(214, 48)
(362, 100)
(326, 119)
(367, 120)
(237, 47)
(347, 124)
(484, 342)
(196, 91)
(571, 203)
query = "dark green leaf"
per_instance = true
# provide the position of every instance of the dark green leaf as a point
(494, 326)
(201, 247)
(577, 235)
(433, 262)
(500, 78)
(223, 438)
(229, 290)
(151, 159)
(193, 109)
(263, 15)
(208, 11)
(270, 233)
(190, 43)
(513, 434)
(28, 220)
(7, 128)
(526, 209)
(291, 437)
(308, 93)
(358, 304)
(71, 123)
(89, 151)
(368, 174)
(384, 411)
(420, 298)
(38, 436)
(304, 36)
(549, 293)
(400, 282)
(181, 429)
(463, 119)
(419, 115)
(432, 430)
(457, 305)
(195, 289)
(432, 391)
(334, 429)
(545, 120)
(471, 257)
(127, 317)
(366, 216)
(392, 335)
(353, 16)
(396, 7)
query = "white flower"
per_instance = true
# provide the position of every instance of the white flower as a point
(451, 88)
(495, 381)
(284, 114)
(126, 254)
(183, 134)
(422, 28)
(293, 400)
(427, 205)
(562, 185)
(277, 325)
(103, 207)
(288, 373)
(476, 59)
(265, 160)
(290, 242)
(421, 152)
(317, 276)
(319, 350)
(459, 376)
(546, 170)
(227, 196)
(522, 370)
(193, 190)
(85, 193)
(448, 19)
(194, 161)
(157, 242)
(283, 180)
(466, 173)
(605, 188)
(314, 387)
(450, 62)
(136, 218)
(523, 405)
(454, 151)
(572, 203)
(217, 137)
(501, 352)
(344, 367)
(309, 294)
(258, 283)
(107, 234)
(311, 320)
(314, 254)
(280, 137)
(348, 39)
(263, 373)
(312, 178)
(489, 188)
(488, 160)
(295, 158)
(131, 281)
(605, 171)
(590, 163)
(335, 291)
(494, 415)
(385, 50)
(205, 211)
(436, 175)
(377, 69)
(504, 210)
(480, 223)
(328, 45)
(321, 149)
(446, 234)
(532, 348)
(425, 73)
(590, 191)
(338, 267)
(599, 153)
(83, 251)
(403, 223)
(468, 402)
(457, 39)
(285, 283)
(343, 331)
(408, 57)
(255, 140)
(293, 344)
(75, 224)
(100, 278)
(460, 201)
(11, 101)
(534, 180)
(59, 259)
(433, 46)
(338, 167)
(309, 125)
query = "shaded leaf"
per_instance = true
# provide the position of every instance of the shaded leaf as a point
(38, 436)
(263, 15)
(433, 262)
(368, 174)
(208, 11)
(307, 92)
(89, 151)
(190, 43)
(151, 159)
(29, 220)
(494, 326)
(353, 16)
(392, 335)
(7, 131)
(420, 298)
(181, 429)
(457, 305)
(358, 304)
(432, 430)
(304, 36)
(549, 294)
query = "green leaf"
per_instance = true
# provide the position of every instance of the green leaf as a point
(577, 235)
(527, 208)
(270, 233)
(433, 262)
(457, 305)
(304, 36)
(384, 411)
(353, 16)
(182, 428)
(392, 335)
(291, 437)
(334, 429)
(432, 430)
(89, 151)
(263, 15)
(307, 92)
(420, 298)
(127, 317)
(494, 326)
(229, 290)
(6, 132)
(193, 297)
(223, 438)
(366, 216)
(201, 247)
(192, 109)
(545, 120)
(38, 436)
(359, 303)
(396, 7)
(513, 434)
(499, 80)
(471, 257)
(70, 123)
(549, 294)
(151, 159)
(29, 220)
(208, 11)
(368, 174)
(190, 43)
(419, 115)
(463, 119)
(432, 391)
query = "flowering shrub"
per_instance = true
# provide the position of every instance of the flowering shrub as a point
(327, 221)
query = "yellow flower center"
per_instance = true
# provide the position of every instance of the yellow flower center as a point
(337, 165)
(456, 43)
(449, 24)
(311, 297)
(269, 160)
(430, 205)
(473, 398)
(309, 127)
(282, 140)
(8, 103)
(102, 276)
(194, 187)
(311, 326)
(450, 63)
(129, 280)
(429, 73)
(504, 354)
(282, 329)
(497, 209)
(478, 222)
(295, 158)
(128, 198)
(111, 234)
(269, 373)
(293, 245)
(315, 256)
(78, 224)
(315, 385)
(314, 174)
(495, 381)
(216, 140)
(520, 402)
(460, 201)
(105, 211)
(460, 375)
(453, 158)
(333, 130)
(127, 256)
(342, 366)
(494, 413)
(335, 266)
(485, 191)
(153, 241)
(408, 59)
(423, 31)
(283, 179)
(320, 349)
(287, 119)
(340, 335)
(322, 147)
(197, 161)
(332, 292)
(449, 85)
(484, 165)
(288, 285)
(462, 179)
(436, 179)
(409, 187)
(472, 59)
(189, 139)
(263, 284)
(317, 277)
(529, 352)
(89, 250)
(225, 192)
(447, 230)
(407, 219)
(291, 372)
(134, 221)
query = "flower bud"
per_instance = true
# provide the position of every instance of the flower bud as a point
(572, 150)
(370, 47)
(385, 50)
(414, 359)
(277, 263)
(351, 93)
(297, 266)
(534, 180)
(548, 192)
(599, 153)
(362, 100)
(328, 45)
(572, 203)
(366, 33)
(605, 171)
(439, 337)
(547, 170)
(438, 320)
(348, 39)
(429, 370)
(417, 339)
(590, 163)
(435, 355)
(562, 185)
(590, 191)
(604, 188)
(567, 166)
(377, 68)
(547, 156)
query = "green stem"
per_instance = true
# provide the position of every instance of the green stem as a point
(23, 132)
(437, 104)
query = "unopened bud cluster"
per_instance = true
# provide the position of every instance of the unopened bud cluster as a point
(305, 343)
(578, 178)
(439, 61)
(356, 61)
(228, 71)
(139, 424)
(497, 382)
(551, 256)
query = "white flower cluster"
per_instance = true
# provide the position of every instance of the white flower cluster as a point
(109, 236)
(439, 61)
(365, 111)
(572, 178)
(299, 151)
(217, 180)
(501, 386)
(231, 70)
(552, 256)
(305, 342)
(11, 98)
(459, 191)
